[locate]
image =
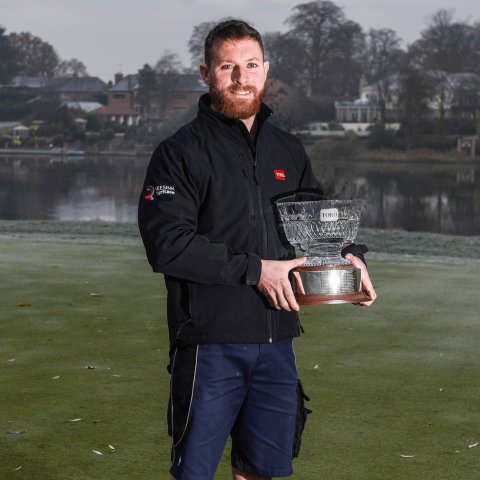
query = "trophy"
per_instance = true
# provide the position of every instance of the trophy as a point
(321, 229)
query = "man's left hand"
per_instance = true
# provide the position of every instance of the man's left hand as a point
(366, 286)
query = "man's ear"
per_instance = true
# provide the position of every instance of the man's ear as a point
(205, 73)
(266, 66)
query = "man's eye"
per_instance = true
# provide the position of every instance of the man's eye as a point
(251, 65)
(225, 67)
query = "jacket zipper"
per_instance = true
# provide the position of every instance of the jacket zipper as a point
(247, 179)
(264, 235)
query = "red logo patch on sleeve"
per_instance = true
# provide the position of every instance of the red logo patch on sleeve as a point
(279, 174)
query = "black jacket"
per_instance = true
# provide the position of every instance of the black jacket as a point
(207, 218)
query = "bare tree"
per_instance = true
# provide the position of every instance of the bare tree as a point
(167, 69)
(448, 45)
(314, 24)
(383, 56)
(285, 54)
(147, 83)
(72, 68)
(413, 98)
(345, 63)
(35, 56)
(197, 41)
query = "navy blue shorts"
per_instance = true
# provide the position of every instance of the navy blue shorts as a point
(246, 391)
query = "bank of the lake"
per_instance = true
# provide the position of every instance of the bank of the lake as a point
(394, 245)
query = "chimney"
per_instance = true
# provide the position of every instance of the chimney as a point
(118, 77)
(363, 81)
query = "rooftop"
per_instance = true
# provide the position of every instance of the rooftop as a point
(77, 85)
(23, 81)
(185, 82)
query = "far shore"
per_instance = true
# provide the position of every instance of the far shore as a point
(421, 155)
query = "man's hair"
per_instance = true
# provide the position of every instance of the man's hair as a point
(230, 30)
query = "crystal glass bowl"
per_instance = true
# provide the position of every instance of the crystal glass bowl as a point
(321, 229)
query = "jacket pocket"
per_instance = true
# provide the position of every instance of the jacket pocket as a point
(249, 186)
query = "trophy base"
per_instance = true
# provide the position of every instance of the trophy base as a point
(329, 285)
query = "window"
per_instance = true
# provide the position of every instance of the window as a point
(118, 96)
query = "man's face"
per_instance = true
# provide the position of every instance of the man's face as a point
(236, 77)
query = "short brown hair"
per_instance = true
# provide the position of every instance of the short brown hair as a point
(229, 30)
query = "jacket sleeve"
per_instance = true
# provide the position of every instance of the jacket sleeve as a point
(168, 218)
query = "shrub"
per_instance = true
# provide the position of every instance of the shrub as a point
(380, 137)
(58, 141)
(92, 138)
(5, 140)
(334, 126)
(94, 123)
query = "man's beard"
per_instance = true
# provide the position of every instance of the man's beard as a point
(240, 108)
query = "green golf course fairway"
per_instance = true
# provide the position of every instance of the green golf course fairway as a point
(398, 378)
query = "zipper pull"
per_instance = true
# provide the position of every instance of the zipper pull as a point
(257, 176)
(244, 170)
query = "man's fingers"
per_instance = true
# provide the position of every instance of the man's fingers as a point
(290, 298)
(297, 283)
(296, 262)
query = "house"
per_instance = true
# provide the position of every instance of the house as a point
(367, 108)
(454, 95)
(173, 94)
(81, 89)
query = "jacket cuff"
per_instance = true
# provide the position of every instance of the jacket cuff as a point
(254, 269)
(356, 251)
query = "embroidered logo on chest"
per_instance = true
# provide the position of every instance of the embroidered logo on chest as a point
(279, 174)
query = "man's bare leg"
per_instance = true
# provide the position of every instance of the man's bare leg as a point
(239, 475)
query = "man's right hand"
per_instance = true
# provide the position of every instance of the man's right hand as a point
(274, 283)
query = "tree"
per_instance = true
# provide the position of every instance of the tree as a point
(72, 68)
(146, 86)
(314, 24)
(8, 67)
(35, 56)
(448, 45)
(383, 57)
(413, 98)
(197, 41)
(167, 68)
(344, 68)
(285, 55)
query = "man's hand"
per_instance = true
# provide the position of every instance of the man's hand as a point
(274, 283)
(366, 286)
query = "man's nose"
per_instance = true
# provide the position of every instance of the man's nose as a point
(240, 75)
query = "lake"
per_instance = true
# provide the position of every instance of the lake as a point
(415, 196)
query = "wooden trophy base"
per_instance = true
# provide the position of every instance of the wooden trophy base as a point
(348, 276)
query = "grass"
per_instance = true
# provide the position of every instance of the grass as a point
(398, 378)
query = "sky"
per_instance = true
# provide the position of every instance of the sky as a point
(111, 36)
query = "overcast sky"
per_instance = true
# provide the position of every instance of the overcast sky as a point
(105, 34)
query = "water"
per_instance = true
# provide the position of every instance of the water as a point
(431, 197)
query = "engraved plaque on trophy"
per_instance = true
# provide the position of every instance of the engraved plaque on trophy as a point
(321, 229)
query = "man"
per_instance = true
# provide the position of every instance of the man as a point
(208, 224)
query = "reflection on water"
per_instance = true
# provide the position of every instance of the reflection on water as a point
(434, 197)
(429, 197)
(70, 188)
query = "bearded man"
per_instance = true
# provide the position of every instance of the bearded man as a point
(207, 221)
